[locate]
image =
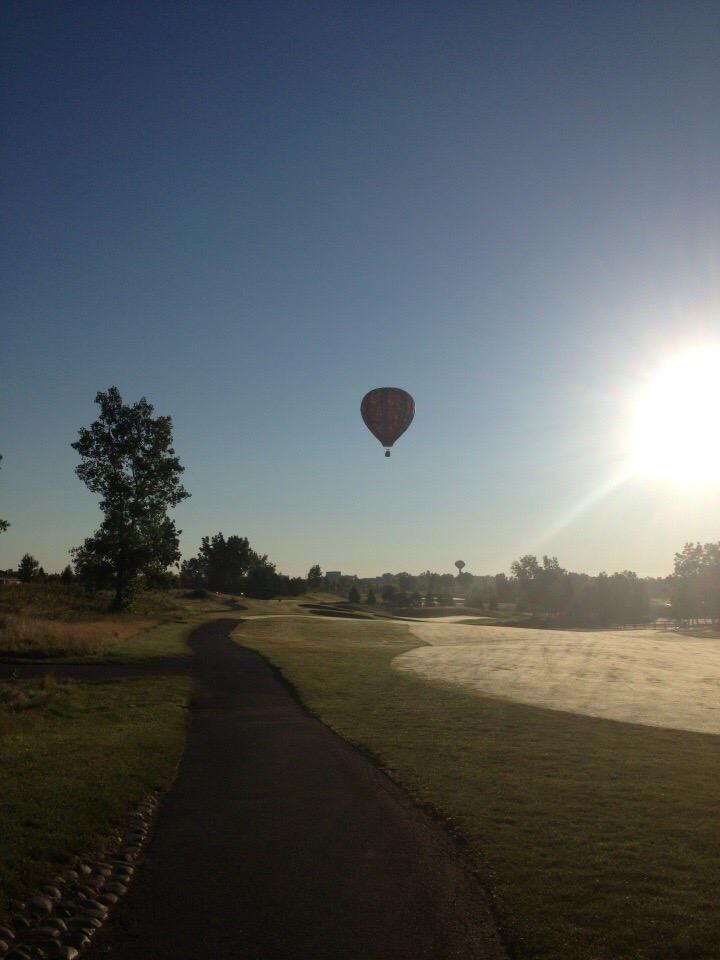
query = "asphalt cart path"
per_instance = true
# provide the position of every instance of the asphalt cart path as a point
(279, 841)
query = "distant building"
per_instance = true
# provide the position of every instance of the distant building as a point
(333, 576)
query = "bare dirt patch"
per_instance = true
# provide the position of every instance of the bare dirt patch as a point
(640, 676)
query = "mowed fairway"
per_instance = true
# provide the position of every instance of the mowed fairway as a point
(641, 676)
(596, 839)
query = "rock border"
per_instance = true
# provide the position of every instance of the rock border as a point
(63, 917)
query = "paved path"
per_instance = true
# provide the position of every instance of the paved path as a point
(278, 841)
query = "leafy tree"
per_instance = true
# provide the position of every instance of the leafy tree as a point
(192, 573)
(261, 580)
(371, 598)
(3, 523)
(464, 583)
(493, 603)
(695, 582)
(67, 576)
(128, 459)
(415, 599)
(541, 587)
(28, 568)
(476, 599)
(224, 564)
(295, 586)
(354, 595)
(315, 577)
(93, 572)
(504, 588)
(405, 582)
(388, 593)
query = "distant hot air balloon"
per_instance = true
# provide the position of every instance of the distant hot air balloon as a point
(387, 412)
(459, 564)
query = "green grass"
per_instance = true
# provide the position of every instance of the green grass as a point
(596, 840)
(75, 758)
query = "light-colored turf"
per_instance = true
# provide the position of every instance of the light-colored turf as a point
(597, 840)
(659, 679)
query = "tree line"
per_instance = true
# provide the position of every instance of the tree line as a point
(127, 459)
(232, 566)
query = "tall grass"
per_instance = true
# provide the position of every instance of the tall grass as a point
(31, 636)
(60, 601)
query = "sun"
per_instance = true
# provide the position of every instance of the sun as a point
(676, 422)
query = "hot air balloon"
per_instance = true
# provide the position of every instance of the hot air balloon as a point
(459, 564)
(387, 412)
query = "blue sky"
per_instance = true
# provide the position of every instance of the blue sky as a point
(253, 213)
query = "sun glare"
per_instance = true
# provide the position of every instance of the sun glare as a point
(675, 426)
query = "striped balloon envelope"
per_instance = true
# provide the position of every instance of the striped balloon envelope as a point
(387, 412)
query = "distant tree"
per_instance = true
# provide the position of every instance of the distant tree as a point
(296, 586)
(493, 603)
(128, 459)
(262, 581)
(415, 599)
(158, 577)
(464, 583)
(388, 593)
(28, 568)
(3, 523)
(354, 595)
(224, 564)
(476, 599)
(192, 573)
(315, 578)
(446, 584)
(67, 576)
(405, 582)
(695, 582)
(371, 598)
(504, 588)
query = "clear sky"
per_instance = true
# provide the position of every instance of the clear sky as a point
(254, 212)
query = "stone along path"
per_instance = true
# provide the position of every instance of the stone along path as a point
(279, 841)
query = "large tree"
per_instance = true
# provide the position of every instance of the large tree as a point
(128, 459)
(224, 564)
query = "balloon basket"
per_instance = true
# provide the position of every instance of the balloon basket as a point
(387, 453)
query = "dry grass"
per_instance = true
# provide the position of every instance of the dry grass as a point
(22, 635)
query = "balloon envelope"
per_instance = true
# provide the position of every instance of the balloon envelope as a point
(387, 412)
